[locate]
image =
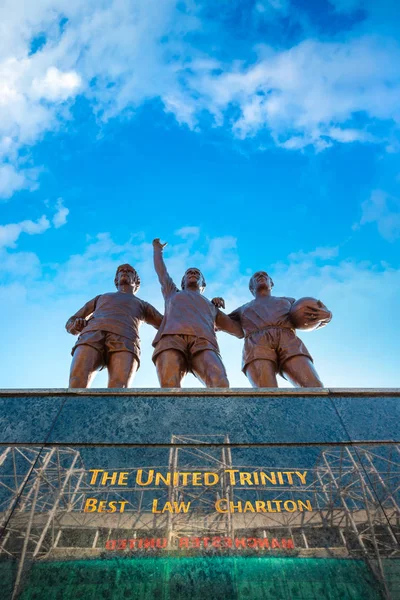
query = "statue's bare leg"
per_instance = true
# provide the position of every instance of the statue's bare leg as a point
(85, 362)
(209, 368)
(122, 367)
(171, 368)
(300, 371)
(262, 373)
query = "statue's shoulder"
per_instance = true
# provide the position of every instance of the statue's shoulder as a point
(288, 299)
(246, 306)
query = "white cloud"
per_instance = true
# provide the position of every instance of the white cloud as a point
(308, 94)
(323, 253)
(183, 109)
(384, 210)
(60, 218)
(30, 105)
(56, 86)
(120, 54)
(10, 180)
(349, 135)
(26, 264)
(188, 232)
(10, 233)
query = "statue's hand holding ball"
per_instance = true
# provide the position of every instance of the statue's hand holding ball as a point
(308, 314)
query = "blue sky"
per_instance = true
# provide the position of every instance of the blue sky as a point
(249, 135)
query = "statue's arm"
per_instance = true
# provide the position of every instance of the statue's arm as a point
(226, 323)
(152, 316)
(167, 284)
(78, 321)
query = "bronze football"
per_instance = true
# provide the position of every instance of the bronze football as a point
(299, 313)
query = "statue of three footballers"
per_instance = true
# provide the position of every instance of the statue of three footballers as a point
(186, 340)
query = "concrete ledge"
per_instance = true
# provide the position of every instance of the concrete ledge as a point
(201, 392)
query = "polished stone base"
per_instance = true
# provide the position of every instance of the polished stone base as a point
(199, 485)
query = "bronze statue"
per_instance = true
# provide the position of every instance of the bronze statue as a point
(109, 333)
(271, 345)
(186, 340)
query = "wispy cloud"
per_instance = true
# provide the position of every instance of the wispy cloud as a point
(13, 179)
(188, 232)
(308, 95)
(323, 253)
(10, 233)
(60, 217)
(384, 210)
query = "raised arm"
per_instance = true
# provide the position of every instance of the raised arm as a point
(78, 321)
(167, 284)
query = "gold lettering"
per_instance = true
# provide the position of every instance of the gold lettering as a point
(139, 479)
(123, 477)
(306, 505)
(166, 480)
(105, 477)
(90, 505)
(167, 507)
(302, 477)
(207, 478)
(289, 476)
(94, 476)
(286, 505)
(232, 478)
(218, 506)
(182, 507)
(264, 477)
(245, 478)
(196, 479)
(184, 476)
